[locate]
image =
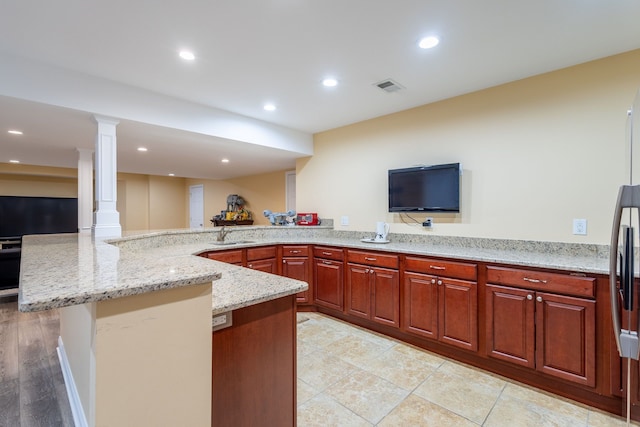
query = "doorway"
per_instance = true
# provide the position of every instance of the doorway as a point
(196, 206)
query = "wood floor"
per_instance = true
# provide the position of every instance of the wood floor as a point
(32, 389)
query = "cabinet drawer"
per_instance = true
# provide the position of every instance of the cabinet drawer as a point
(231, 257)
(373, 258)
(457, 270)
(291, 250)
(543, 281)
(261, 253)
(328, 253)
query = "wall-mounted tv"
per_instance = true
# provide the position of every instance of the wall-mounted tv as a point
(425, 189)
(20, 216)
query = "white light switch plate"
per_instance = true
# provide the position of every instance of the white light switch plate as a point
(580, 227)
(344, 220)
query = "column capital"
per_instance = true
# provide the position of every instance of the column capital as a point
(106, 120)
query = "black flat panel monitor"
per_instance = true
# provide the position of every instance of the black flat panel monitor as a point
(425, 189)
(21, 215)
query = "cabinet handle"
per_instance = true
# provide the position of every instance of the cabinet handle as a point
(437, 267)
(433, 281)
(366, 270)
(250, 265)
(439, 282)
(369, 259)
(539, 299)
(527, 279)
(327, 253)
(326, 262)
(294, 252)
(529, 297)
(284, 261)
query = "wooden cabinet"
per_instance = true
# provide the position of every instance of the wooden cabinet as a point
(296, 265)
(262, 259)
(440, 307)
(234, 256)
(529, 324)
(328, 277)
(373, 292)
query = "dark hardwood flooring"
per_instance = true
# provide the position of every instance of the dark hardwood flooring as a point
(32, 391)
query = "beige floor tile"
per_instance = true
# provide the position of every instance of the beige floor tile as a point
(513, 412)
(367, 395)
(321, 369)
(467, 392)
(403, 366)
(317, 333)
(322, 411)
(304, 348)
(305, 392)
(415, 411)
(603, 419)
(356, 349)
(551, 403)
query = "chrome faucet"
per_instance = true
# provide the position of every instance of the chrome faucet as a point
(222, 234)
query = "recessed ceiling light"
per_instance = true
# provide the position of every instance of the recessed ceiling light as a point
(187, 55)
(14, 161)
(142, 149)
(270, 107)
(172, 174)
(225, 160)
(15, 132)
(330, 82)
(428, 42)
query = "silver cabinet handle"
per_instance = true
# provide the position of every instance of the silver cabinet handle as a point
(250, 265)
(327, 253)
(539, 299)
(437, 267)
(433, 280)
(294, 252)
(527, 279)
(284, 261)
(439, 282)
(369, 259)
(326, 262)
(529, 297)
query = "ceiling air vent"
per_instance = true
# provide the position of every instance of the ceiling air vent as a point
(389, 85)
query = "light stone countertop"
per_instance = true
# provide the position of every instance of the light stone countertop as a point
(64, 270)
(70, 269)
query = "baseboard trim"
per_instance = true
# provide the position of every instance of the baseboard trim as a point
(79, 418)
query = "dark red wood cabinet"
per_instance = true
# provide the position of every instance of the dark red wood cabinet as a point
(328, 277)
(296, 265)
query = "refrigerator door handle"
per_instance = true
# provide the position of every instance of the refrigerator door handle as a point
(626, 340)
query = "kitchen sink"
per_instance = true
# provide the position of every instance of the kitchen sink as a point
(231, 242)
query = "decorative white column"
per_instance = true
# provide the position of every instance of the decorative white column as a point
(106, 219)
(85, 190)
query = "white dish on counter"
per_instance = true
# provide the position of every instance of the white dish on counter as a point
(374, 241)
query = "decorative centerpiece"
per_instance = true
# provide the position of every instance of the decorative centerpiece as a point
(235, 214)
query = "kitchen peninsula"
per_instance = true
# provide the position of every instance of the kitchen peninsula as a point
(484, 282)
(136, 322)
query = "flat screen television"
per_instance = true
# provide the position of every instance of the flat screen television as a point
(425, 189)
(20, 215)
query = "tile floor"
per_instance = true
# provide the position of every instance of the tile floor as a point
(348, 376)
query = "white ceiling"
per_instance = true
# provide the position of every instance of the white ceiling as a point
(249, 52)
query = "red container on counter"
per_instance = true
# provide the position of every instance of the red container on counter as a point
(307, 219)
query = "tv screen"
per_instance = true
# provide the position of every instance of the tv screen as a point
(20, 216)
(425, 188)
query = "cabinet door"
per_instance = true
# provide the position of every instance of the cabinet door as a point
(565, 337)
(328, 282)
(510, 324)
(386, 296)
(266, 265)
(298, 268)
(458, 317)
(420, 315)
(359, 290)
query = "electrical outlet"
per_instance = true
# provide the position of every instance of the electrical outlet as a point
(580, 227)
(344, 220)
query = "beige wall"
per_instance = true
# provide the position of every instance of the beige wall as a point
(264, 191)
(25, 180)
(536, 154)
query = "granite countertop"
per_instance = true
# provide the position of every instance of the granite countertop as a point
(70, 269)
(63, 270)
